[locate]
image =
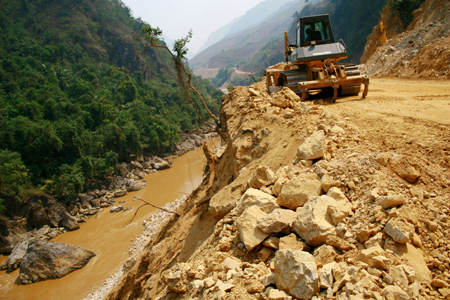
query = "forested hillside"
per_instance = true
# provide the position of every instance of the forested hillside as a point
(74, 100)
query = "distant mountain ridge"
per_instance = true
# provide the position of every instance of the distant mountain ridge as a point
(249, 19)
(262, 45)
(245, 43)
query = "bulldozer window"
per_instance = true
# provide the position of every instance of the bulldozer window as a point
(316, 31)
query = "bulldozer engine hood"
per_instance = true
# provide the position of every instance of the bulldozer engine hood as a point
(318, 52)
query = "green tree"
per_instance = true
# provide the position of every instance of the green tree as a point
(68, 181)
(151, 37)
(14, 176)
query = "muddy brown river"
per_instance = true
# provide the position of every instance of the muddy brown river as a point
(109, 235)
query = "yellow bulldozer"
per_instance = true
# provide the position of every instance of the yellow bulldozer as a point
(312, 65)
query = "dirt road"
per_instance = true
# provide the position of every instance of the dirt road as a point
(405, 116)
(400, 100)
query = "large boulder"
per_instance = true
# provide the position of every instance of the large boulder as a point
(137, 185)
(161, 164)
(296, 192)
(11, 231)
(313, 222)
(254, 197)
(50, 260)
(15, 258)
(296, 273)
(264, 176)
(399, 231)
(59, 217)
(313, 147)
(120, 193)
(277, 220)
(249, 232)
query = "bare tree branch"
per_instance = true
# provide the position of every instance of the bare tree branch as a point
(148, 203)
(150, 37)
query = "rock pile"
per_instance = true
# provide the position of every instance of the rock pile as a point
(130, 179)
(332, 220)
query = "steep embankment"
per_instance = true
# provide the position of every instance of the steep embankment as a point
(421, 51)
(75, 100)
(348, 200)
(359, 207)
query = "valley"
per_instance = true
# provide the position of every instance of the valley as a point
(111, 236)
(316, 199)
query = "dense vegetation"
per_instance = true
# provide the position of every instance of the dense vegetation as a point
(72, 104)
(222, 76)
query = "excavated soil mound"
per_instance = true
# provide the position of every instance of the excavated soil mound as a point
(305, 200)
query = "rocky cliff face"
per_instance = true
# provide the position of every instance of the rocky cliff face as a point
(421, 51)
(300, 204)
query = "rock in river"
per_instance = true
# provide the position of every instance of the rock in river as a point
(116, 208)
(50, 260)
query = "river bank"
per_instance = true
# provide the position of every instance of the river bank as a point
(42, 210)
(110, 236)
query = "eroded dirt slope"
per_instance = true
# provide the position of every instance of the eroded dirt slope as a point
(393, 146)
(421, 51)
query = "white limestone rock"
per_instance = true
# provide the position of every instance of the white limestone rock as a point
(399, 231)
(296, 192)
(296, 273)
(328, 182)
(337, 194)
(275, 294)
(394, 292)
(277, 220)
(254, 197)
(264, 176)
(326, 275)
(391, 201)
(313, 222)
(249, 233)
(232, 263)
(313, 147)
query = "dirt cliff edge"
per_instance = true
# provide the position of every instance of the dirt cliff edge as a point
(296, 185)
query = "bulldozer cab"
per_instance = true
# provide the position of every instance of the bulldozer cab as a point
(314, 31)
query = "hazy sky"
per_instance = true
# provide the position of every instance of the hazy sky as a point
(177, 17)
